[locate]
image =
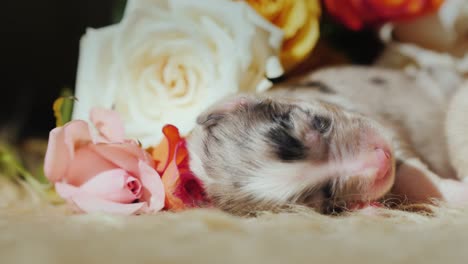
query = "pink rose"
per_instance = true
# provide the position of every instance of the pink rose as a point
(103, 172)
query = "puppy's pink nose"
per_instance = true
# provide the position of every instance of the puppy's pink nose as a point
(374, 163)
(377, 153)
(382, 162)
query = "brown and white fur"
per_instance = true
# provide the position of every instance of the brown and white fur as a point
(340, 136)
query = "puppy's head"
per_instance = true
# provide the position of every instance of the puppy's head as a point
(259, 153)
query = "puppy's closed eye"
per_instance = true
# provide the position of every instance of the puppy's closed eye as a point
(287, 147)
(210, 119)
(321, 123)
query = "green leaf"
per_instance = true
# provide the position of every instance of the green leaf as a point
(8, 159)
(11, 167)
(40, 175)
(63, 107)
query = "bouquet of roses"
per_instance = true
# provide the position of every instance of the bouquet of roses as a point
(162, 64)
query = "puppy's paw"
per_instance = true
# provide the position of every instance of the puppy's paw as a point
(455, 192)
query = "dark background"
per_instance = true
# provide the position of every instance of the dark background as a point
(39, 52)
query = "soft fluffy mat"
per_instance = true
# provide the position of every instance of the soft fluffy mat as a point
(31, 232)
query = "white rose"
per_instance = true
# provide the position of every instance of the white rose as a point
(167, 60)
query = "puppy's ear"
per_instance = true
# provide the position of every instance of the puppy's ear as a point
(219, 110)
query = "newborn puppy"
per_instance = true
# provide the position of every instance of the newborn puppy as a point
(457, 131)
(341, 136)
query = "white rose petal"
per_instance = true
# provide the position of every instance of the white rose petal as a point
(168, 60)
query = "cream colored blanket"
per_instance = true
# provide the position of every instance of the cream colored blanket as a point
(31, 232)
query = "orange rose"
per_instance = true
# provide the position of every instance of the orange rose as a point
(299, 20)
(183, 189)
(356, 14)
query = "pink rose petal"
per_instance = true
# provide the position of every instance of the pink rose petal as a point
(66, 191)
(124, 156)
(134, 185)
(153, 184)
(91, 204)
(111, 186)
(86, 164)
(57, 157)
(77, 134)
(61, 148)
(109, 124)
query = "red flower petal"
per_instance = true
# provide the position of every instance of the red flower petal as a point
(164, 152)
(356, 14)
(182, 188)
